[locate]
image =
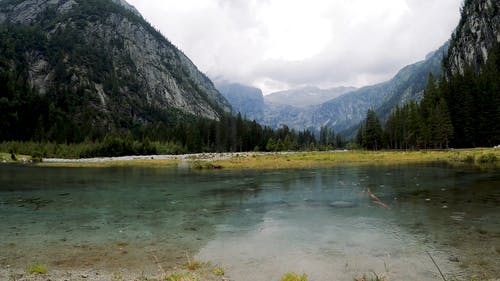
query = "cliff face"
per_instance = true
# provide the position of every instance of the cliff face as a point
(306, 96)
(106, 50)
(476, 34)
(246, 100)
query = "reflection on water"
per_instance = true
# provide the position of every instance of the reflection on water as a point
(257, 224)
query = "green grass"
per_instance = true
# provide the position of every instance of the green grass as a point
(182, 277)
(371, 277)
(360, 157)
(194, 265)
(218, 271)
(485, 157)
(292, 276)
(18, 158)
(38, 269)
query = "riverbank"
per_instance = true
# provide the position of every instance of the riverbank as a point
(194, 271)
(289, 160)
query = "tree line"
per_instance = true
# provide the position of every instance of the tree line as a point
(457, 110)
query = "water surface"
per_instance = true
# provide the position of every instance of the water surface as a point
(257, 224)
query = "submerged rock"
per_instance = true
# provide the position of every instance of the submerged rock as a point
(343, 204)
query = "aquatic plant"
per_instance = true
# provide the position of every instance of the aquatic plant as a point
(181, 277)
(203, 165)
(374, 277)
(38, 269)
(193, 265)
(218, 271)
(292, 276)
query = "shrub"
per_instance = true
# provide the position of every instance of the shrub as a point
(37, 157)
(487, 158)
(468, 159)
(12, 155)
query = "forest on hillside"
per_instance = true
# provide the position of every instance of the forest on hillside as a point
(460, 110)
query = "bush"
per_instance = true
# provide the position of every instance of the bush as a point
(468, 159)
(37, 157)
(487, 158)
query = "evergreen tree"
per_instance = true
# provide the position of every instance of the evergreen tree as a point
(372, 131)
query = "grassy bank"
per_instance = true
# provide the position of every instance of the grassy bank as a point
(110, 146)
(327, 159)
(487, 157)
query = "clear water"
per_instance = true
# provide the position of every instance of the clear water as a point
(257, 224)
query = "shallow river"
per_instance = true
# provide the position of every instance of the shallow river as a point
(257, 224)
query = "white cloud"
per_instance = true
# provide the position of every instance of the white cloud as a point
(277, 44)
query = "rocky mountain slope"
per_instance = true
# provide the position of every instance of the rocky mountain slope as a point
(476, 34)
(347, 110)
(306, 96)
(101, 64)
(408, 84)
(246, 100)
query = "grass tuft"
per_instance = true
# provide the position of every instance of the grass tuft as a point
(292, 276)
(218, 271)
(194, 265)
(38, 269)
(181, 277)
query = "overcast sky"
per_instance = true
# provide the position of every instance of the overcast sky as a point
(280, 44)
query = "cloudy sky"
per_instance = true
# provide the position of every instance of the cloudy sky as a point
(281, 44)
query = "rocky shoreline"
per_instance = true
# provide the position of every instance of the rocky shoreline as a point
(180, 157)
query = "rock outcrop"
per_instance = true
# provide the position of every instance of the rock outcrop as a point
(104, 48)
(476, 34)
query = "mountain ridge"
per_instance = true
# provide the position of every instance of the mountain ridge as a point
(306, 96)
(101, 64)
(346, 111)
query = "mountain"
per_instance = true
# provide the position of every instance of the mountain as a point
(306, 96)
(418, 75)
(475, 36)
(93, 66)
(246, 100)
(472, 85)
(345, 107)
(127, 6)
(408, 84)
(462, 107)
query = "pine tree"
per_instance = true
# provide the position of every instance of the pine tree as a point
(373, 131)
